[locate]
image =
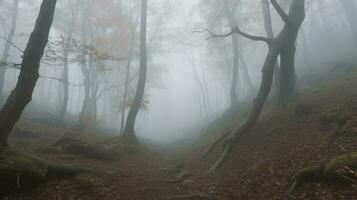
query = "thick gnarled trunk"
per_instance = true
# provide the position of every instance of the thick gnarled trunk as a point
(22, 94)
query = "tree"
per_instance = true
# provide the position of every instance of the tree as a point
(282, 45)
(22, 94)
(235, 47)
(65, 80)
(350, 9)
(129, 133)
(270, 34)
(5, 54)
(127, 76)
(219, 13)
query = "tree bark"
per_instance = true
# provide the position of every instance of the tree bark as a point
(6, 50)
(127, 76)
(285, 41)
(270, 33)
(129, 133)
(22, 94)
(287, 54)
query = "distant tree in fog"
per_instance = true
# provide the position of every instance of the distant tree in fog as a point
(8, 39)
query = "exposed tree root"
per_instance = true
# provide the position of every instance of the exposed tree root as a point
(219, 140)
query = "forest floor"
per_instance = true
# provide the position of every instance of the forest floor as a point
(259, 167)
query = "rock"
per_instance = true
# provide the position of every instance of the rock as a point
(338, 169)
(85, 183)
(349, 128)
(80, 148)
(21, 171)
(343, 119)
(329, 114)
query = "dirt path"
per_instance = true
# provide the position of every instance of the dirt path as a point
(136, 176)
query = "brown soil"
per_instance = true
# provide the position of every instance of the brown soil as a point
(260, 167)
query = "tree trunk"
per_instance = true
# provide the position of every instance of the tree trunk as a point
(264, 90)
(6, 50)
(22, 94)
(270, 33)
(235, 75)
(285, 41)
(129, 132)
(287, 54)
(127, 76)
(349, 7)
(245, 72)
(235, 68)
(65, 69)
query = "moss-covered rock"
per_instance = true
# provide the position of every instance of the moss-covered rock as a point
(86, 183)
(19, 171)
(330, 114)
(339, 170)
(81, 148)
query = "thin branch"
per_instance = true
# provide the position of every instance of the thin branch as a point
(12, 44)
(281, 12)
(60, 80)
(237, 31)
(115, 86)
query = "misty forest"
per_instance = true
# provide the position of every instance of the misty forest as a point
(178, 99)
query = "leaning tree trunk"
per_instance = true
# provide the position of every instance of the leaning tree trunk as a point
(6, 50)
(22, 94)
(277, 46)
(65, 79)
(270, 33)
(127, 76)
(129, 133)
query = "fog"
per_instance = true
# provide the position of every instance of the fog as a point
(189, 73)
(178, 99)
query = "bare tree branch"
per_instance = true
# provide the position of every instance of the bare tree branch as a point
(281, 12)
(60, 80)
(115, 86)
(233, 31)
(12, 44)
